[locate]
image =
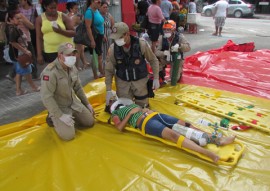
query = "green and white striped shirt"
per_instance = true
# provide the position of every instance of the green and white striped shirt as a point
(122, 113)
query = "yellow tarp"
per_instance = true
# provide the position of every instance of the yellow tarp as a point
(32, 157)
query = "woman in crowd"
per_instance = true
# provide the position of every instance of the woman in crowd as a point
(29, 11)
(95, 31)
(17, 46)
(156, 18)
(160, 125)
(108, 23)
(72, 8)
(52, 29)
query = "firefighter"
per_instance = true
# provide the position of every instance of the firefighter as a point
(171, 42)
(127, 62)
(63, 95)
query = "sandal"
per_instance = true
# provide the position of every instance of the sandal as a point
(21, 92)
(214, 34)
(37, 89)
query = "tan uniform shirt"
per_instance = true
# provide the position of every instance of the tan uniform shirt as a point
(61, 91)
(111, 62)
(183, 46)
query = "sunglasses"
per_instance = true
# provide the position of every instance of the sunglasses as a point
(98, 2)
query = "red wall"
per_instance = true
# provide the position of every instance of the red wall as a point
(128, 12)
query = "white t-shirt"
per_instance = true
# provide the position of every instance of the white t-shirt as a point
(221, 7)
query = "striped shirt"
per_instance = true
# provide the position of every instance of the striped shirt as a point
(123, 112)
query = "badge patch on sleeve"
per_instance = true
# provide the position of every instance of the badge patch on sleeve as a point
(46, 78)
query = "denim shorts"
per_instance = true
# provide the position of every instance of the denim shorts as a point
(22, 71)
(156, 124)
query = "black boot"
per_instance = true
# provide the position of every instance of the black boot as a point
(49, 121)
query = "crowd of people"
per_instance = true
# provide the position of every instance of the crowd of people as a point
(41, 34)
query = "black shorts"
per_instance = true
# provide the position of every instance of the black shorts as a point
(98, 49)
(154, 31)
(49, 57)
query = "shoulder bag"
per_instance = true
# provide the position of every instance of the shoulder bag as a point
(81, 36)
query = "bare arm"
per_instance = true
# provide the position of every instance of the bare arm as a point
(69, 31)
(88, 24)
(112, 21)
(39, 40)
(21, 48)
(76, 20)
(26, 22)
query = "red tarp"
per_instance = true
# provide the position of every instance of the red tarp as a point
(242, 72)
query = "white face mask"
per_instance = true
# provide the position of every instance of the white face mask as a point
(167, 35)
(120, 42)
(70, 61)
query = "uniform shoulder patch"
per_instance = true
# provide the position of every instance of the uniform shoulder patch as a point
(51, 65)
(46, 78)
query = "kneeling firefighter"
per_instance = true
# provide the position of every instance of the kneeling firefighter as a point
(126, 61)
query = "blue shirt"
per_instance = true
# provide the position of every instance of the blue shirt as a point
(98, 20)
(166, 7)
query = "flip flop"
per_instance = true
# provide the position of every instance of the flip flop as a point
(214, 34)
(22, 93)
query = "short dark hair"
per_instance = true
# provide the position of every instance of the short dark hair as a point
(88, 3)
(45, 3)
(104, 2)
(12, 13)
(70, 5)
(13, 5)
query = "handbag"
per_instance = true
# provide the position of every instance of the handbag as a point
(24, 60)
(81, 36)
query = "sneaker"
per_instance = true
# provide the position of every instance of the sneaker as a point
(10, 78)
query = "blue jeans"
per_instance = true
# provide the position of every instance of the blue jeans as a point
(156, 124)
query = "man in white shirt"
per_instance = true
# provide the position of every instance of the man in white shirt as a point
(220, 14)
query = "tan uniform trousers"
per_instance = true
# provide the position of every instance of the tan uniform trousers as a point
(163, 63)
(83, 119)
(132, 89)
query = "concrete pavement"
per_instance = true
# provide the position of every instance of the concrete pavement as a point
(15, 108)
